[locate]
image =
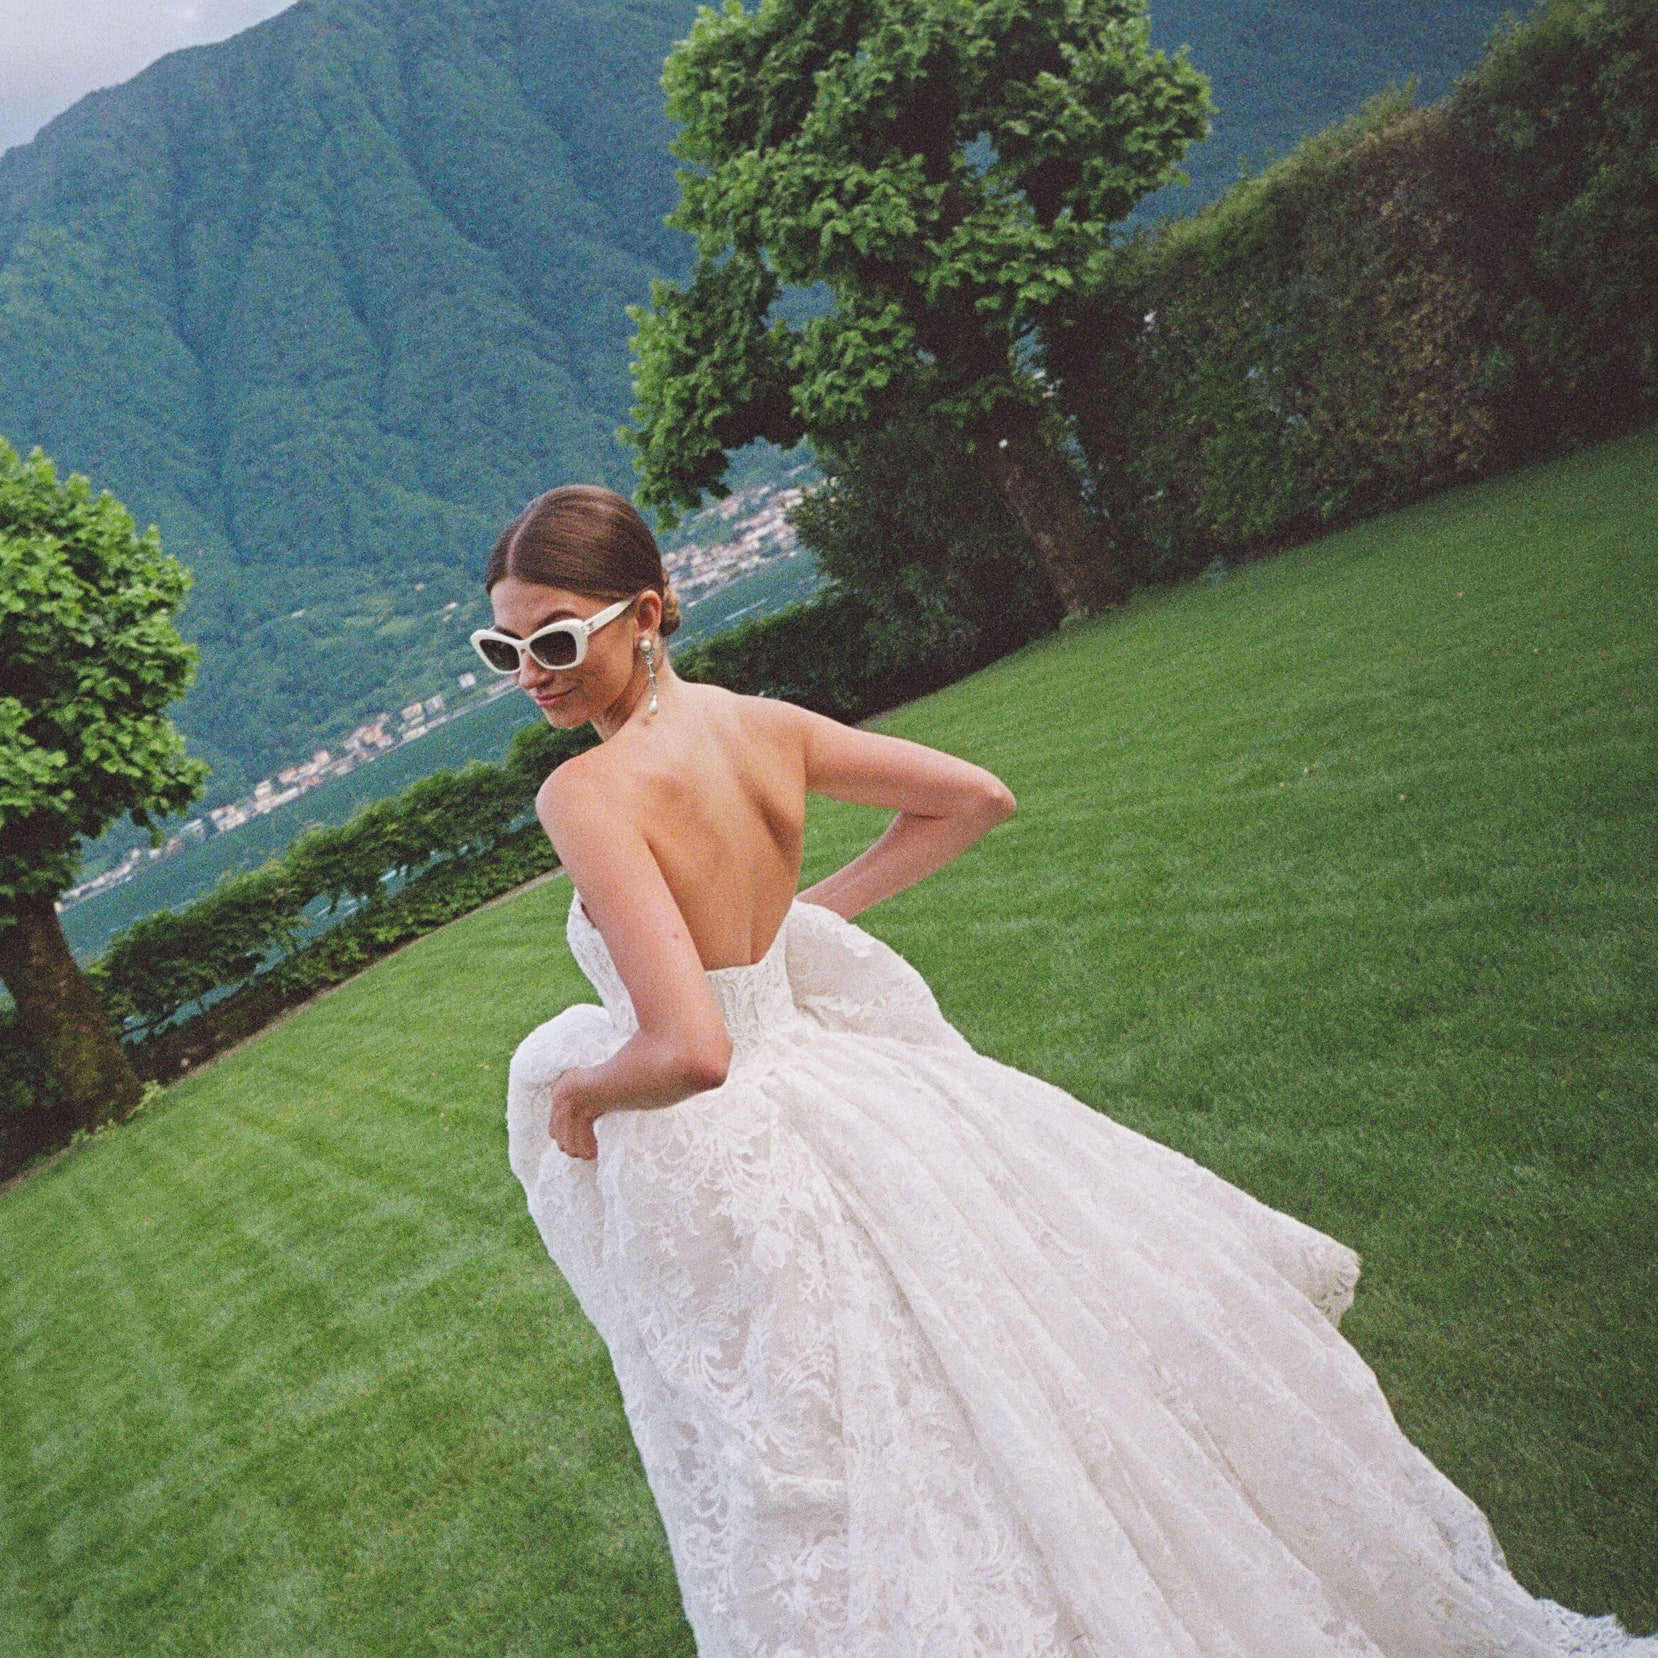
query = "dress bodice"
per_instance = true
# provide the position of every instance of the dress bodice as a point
(755, 1001)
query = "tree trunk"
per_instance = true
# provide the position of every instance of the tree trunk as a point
(59, 1017)
(1077, 558)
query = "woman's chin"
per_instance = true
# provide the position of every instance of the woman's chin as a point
(562, 714)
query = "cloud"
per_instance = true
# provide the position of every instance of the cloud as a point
(53, 52)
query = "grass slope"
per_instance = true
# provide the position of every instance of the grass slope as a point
(1336, 874)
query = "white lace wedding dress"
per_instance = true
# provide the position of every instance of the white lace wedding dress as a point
(926, 1359)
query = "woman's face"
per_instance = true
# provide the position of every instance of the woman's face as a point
(603, 686)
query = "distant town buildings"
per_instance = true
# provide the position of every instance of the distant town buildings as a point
(419, 717)
(368, 740)
(698, 568)
(192, 834)
(307, 775)
(290, 783)
(364, 744)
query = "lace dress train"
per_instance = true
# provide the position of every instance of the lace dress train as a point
(926, 1359)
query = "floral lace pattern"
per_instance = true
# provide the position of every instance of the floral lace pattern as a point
(926, 1359)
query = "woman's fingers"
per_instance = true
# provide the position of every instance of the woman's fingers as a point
(581, 1142)
(573, 1132)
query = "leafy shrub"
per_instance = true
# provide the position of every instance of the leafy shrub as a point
(165, 961)
(919, 532)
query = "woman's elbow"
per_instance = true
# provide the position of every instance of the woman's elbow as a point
(705, 1063)
(994, 803)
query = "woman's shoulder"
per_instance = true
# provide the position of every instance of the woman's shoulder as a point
(750, 719)
(713, 712)
(575, 770)
(577, 786)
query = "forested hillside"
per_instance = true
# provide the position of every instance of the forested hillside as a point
(329, 300)
(1284, 68)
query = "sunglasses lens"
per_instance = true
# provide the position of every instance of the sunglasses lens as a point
(501, 656)
(554, 650)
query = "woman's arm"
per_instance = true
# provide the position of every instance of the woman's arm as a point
(681, 1047)
(943, 805)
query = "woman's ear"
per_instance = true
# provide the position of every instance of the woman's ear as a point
(647, 614)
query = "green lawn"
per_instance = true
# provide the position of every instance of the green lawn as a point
(1338, 874)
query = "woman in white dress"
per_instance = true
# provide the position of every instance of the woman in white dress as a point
(923, 1357)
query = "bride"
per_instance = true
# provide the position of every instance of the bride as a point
(923, 1357)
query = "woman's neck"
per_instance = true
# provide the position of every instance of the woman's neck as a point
(636, 697)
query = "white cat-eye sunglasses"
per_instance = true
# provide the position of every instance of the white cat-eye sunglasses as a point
(561, 644)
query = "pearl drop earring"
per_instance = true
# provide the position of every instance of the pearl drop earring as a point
(650, 670)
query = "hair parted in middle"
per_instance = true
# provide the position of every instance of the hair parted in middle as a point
(586, 540)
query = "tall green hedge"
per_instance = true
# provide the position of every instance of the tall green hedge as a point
(1409, 300)
(388, 860)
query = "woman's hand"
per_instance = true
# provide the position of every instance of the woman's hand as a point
(572, 1118)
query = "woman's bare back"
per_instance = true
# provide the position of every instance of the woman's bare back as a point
(683, 830)
(716, 785)
(683, 834)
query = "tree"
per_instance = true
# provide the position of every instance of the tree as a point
(89, 661)
(947, 173)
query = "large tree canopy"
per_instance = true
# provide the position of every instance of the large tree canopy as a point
(949, 171)
(89, 661)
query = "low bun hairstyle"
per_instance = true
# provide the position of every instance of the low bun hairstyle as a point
(586, 540)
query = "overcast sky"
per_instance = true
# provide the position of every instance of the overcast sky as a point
(53, 52)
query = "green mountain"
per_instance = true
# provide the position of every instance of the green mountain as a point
(328, 301)
(1282, 69)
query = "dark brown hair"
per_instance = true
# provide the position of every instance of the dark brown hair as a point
(586, 540)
